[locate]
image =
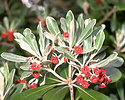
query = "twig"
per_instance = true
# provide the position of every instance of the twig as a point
(70, 83)
(7, 7)
(71, 92)
(107, 15)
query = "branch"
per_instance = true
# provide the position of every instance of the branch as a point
(113, 10)
(7, 7)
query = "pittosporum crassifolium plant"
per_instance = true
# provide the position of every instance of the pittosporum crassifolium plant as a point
(70, 60)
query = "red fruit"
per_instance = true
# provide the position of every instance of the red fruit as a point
(54, 60)
(67, 48)
(38, 19)
(78, 49)
(35, 66)
(32, 85)
(65, 59)
(93, 79)
(85, 70)
(99, 2)
(66, 34)
(3, 35)
(79, 79)
(96, 71)
(85, 84)
(10, 38)
(44, 22)
(102, 85)
(22, 81)
(50, 48)
(35, 74)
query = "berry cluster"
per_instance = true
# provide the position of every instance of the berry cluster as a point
(8, 34)
(93, 75)
(54, 60)
(34, 66)
(43, 21)
(17, 81)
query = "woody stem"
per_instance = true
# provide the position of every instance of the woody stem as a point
(70, 83)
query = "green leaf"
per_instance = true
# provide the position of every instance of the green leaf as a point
(63, 24)
(10, 79)
(41, 39)
(1, 84)
(51, 79)
(31, 40)
(25, 74)
(64, 73)
(17, 89)
(24, 67)
(87, 44)
(86, 32)
(80, 21)
(101, 56)
(105, 61)
(66, 53)
(114, 74)
(120, 90)
(6, 22)
(56, 93)
(123, 29)
(113, 97)
(117, 62)
(13, 57)
(69, 18)
(53, 27)
(33, 94)
(120, 6)
(71, 33)
(89, 94)
(113, 23)
(100, 37)
(88, 50)
(24, 43)
(5, 72)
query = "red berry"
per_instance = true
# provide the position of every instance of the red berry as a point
(3, 35)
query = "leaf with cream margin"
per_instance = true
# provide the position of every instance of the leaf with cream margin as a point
(10, 80)
(88, 50)
(41, 37)
(53, 27)
(80, 21)
(1, 85)
(13, 57)
(25, 74)
(71, 33)
(86, 32)
(66, 53)
(100, 37)
(69, 18)
(117, 62)
(23, 43)
(49, 36)
(30, 37)
(105, 61)
(87, 44)
(63, 24)
(6, 72)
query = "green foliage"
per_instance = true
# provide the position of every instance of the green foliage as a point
(91, 94)
(32, 94)
(82, 32)
(7, 88)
